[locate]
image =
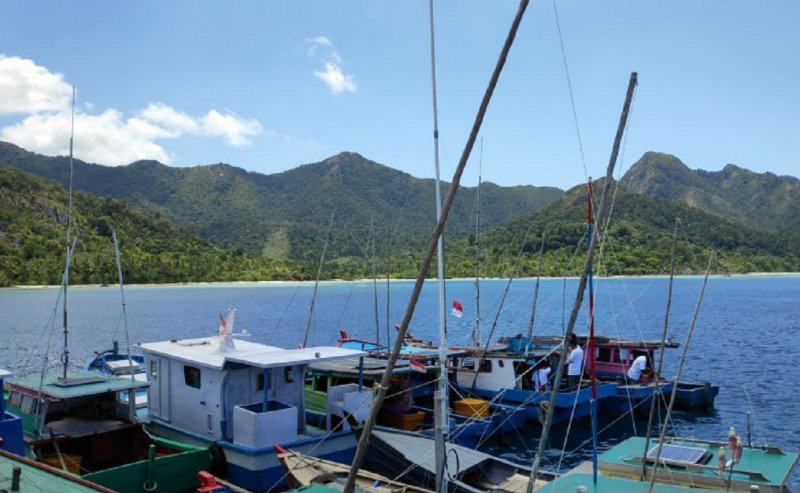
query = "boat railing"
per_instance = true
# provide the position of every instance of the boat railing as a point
(751, 475)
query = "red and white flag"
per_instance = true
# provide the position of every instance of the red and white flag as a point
(418, 366)
(458, 310)
(226, 332)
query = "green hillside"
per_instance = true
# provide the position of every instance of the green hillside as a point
(639, 239)
(32, 235)
(284, 215)
(759, 200)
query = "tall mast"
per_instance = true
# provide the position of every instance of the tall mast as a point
(65, 354)
(374, 281)
(319, 273)
(593, 401)
(441, 411)
(623, 119)
(427, 259)
(656, 400)
(124, 309)
(535, 295)
(476, 334)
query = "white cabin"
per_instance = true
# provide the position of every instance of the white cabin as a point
(197, 388)
(494, 373)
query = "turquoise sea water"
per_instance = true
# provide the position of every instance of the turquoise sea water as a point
(747, 338)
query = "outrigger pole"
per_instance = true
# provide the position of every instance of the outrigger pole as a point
(431, 249)
(582, 283)
(656, 400)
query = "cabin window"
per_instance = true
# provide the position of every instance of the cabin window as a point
(259, 382)
(468, 364)
(153, 369)
(622, 356)
(486, 366)
(604, 354)
(191, 376)
(15, 399)
(288, 374)
(501, 363)
(321, 383)
(28, 405)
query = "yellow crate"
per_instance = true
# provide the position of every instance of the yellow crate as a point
(471, 407)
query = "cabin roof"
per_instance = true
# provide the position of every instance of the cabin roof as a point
(205, 351)
(39, 478)
(78, 384)
(772, 463)
(349, 366)
(607, 484)
(5, 374)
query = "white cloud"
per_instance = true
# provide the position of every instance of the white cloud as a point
(336, 80)
(332, 76)
(29, 88)
(108, 137)
(234, 130)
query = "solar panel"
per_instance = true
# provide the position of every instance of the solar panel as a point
(677, 454)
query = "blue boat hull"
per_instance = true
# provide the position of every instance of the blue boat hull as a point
(636, 399)
(569, 405)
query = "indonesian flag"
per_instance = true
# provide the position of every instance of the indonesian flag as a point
(226, 332)
(458, 310)
(418, 366)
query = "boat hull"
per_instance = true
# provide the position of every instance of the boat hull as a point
(569, 405)
(259, 469)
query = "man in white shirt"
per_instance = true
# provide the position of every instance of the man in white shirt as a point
(540, 375)
(574, 364)
(638, 366)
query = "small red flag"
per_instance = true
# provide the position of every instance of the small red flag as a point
(418, 366)
(458, 310)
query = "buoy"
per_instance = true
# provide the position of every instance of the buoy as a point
(721, 460)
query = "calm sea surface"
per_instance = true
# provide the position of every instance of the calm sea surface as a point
(747, 338)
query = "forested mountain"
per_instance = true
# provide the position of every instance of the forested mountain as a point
(284, 215)
(33, 214)
(639, 239)
(759, 200)
(219, 222)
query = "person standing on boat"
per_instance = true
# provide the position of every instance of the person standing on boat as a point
(574, 364)
(541, 373)
(638, 367)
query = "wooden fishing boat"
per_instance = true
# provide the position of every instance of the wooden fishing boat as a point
(305, 470)
(504, 375)
(691, 463)
(242, 398)
(410, 407)
(409, 457)
(81, 427)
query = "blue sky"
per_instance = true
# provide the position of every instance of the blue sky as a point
(271, 85)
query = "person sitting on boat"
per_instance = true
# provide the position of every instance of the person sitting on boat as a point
(540, 374)
(574, 364)
(638, 367)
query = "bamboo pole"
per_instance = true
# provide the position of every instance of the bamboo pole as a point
(431, 249)
(680, 369)
(582, 283)
(655, 401)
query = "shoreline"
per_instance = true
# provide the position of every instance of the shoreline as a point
(342, 281)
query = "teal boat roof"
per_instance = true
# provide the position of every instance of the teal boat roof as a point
(78, 384)
(773, 464)
(569, 483)
(39, 478)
